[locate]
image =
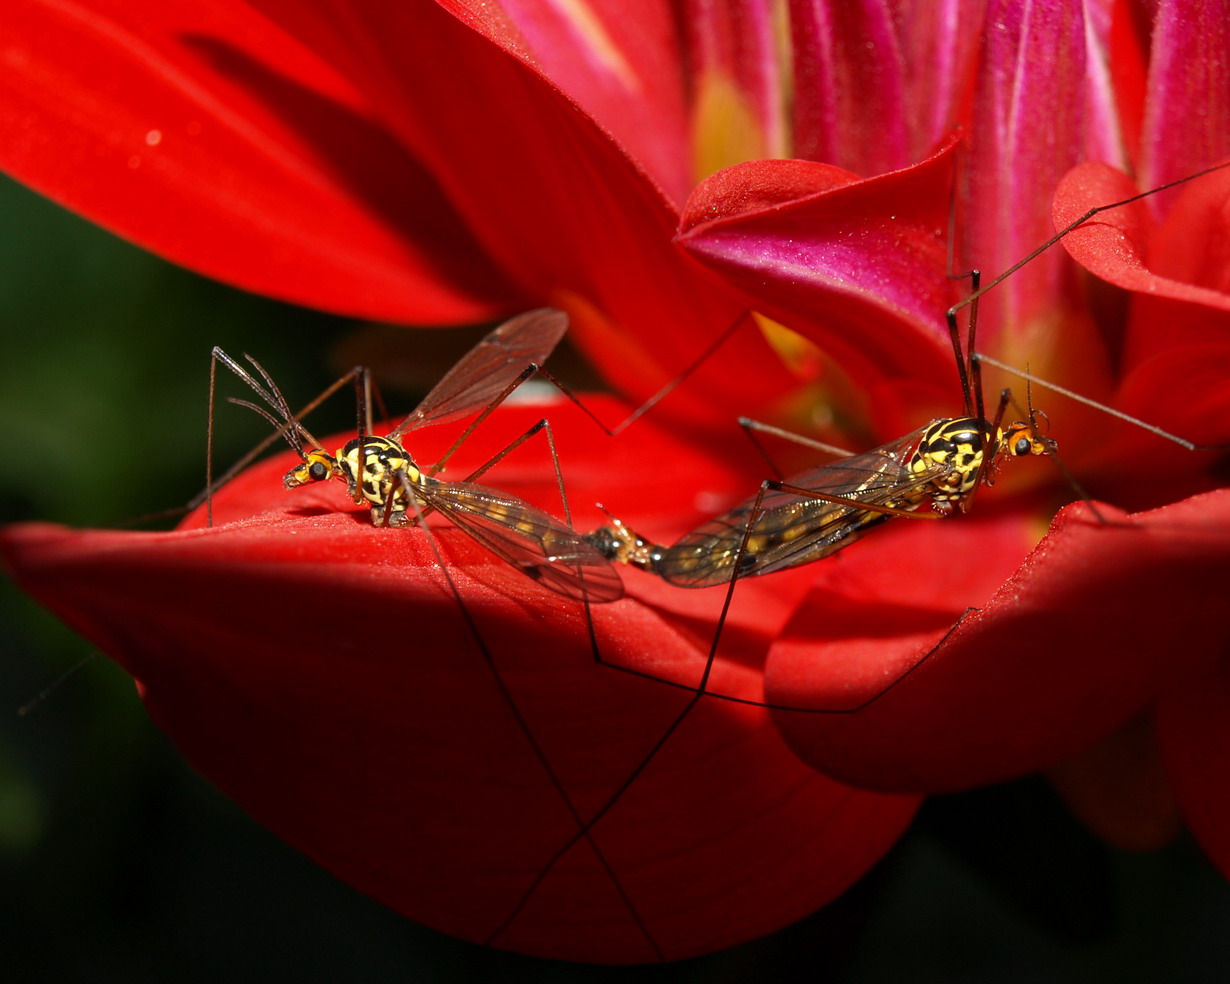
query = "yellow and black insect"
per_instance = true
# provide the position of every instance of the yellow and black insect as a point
(815, 514)
(379, 471)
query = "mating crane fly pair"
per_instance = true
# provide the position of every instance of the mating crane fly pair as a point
(786, 524)
(810, 516)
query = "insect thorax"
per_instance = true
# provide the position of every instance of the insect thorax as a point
(950, 454)
(388, 472)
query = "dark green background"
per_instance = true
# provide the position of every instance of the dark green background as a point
(118, 863)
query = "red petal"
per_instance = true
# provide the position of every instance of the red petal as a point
(1117, 787)
(1114, 243)
(319, 671)
(620, 61)
(1194, 727)
(560, 206)
(1081, 638)
(1180, 305)
(210, 136)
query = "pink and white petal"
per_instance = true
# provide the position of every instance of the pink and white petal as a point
(850, 106)
(742, 83)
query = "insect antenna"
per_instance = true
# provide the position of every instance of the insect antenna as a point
(1118, 414)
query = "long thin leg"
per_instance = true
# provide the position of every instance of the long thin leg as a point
(536, 748)
(532, 369)
(753, 427)
(701, 689)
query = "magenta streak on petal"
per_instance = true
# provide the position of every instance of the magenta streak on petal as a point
(849, 87)
(738, 43)
(1031, 128)
(1187, 112)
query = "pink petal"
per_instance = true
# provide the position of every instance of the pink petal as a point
(878, 86)
(1187, 112)
(857, 266)
(1030, 122)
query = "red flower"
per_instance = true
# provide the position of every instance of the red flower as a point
(449, 162)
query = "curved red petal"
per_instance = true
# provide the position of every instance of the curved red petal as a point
(620, 61)
(1077, 641)
(1115, 244)
(321, 672)
(1180, 303)
(1117, 787)
(857, 266)
(1194, 731)
(213, 138)
(551, 196)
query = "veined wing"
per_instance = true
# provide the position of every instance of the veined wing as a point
(792, 530)
(487, 369)
(527, 538)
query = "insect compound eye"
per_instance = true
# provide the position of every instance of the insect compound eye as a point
(318, 471)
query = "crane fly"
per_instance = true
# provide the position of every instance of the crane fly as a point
(380, 472)
(933, 472)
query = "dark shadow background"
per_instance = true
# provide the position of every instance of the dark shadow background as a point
(118, 863)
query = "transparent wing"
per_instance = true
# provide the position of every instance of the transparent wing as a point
(487, 369)
(527, 538)
(792, 530)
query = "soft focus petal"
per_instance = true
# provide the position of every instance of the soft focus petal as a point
(560, 206)
(1114, 73)
(210, 136)
(1189, 81)
(1030, 128)
(742, 82)
(1072, 645)
(1194, 727)
(320, 672)
(619, 60)
(877, 85)
(1118, 788)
